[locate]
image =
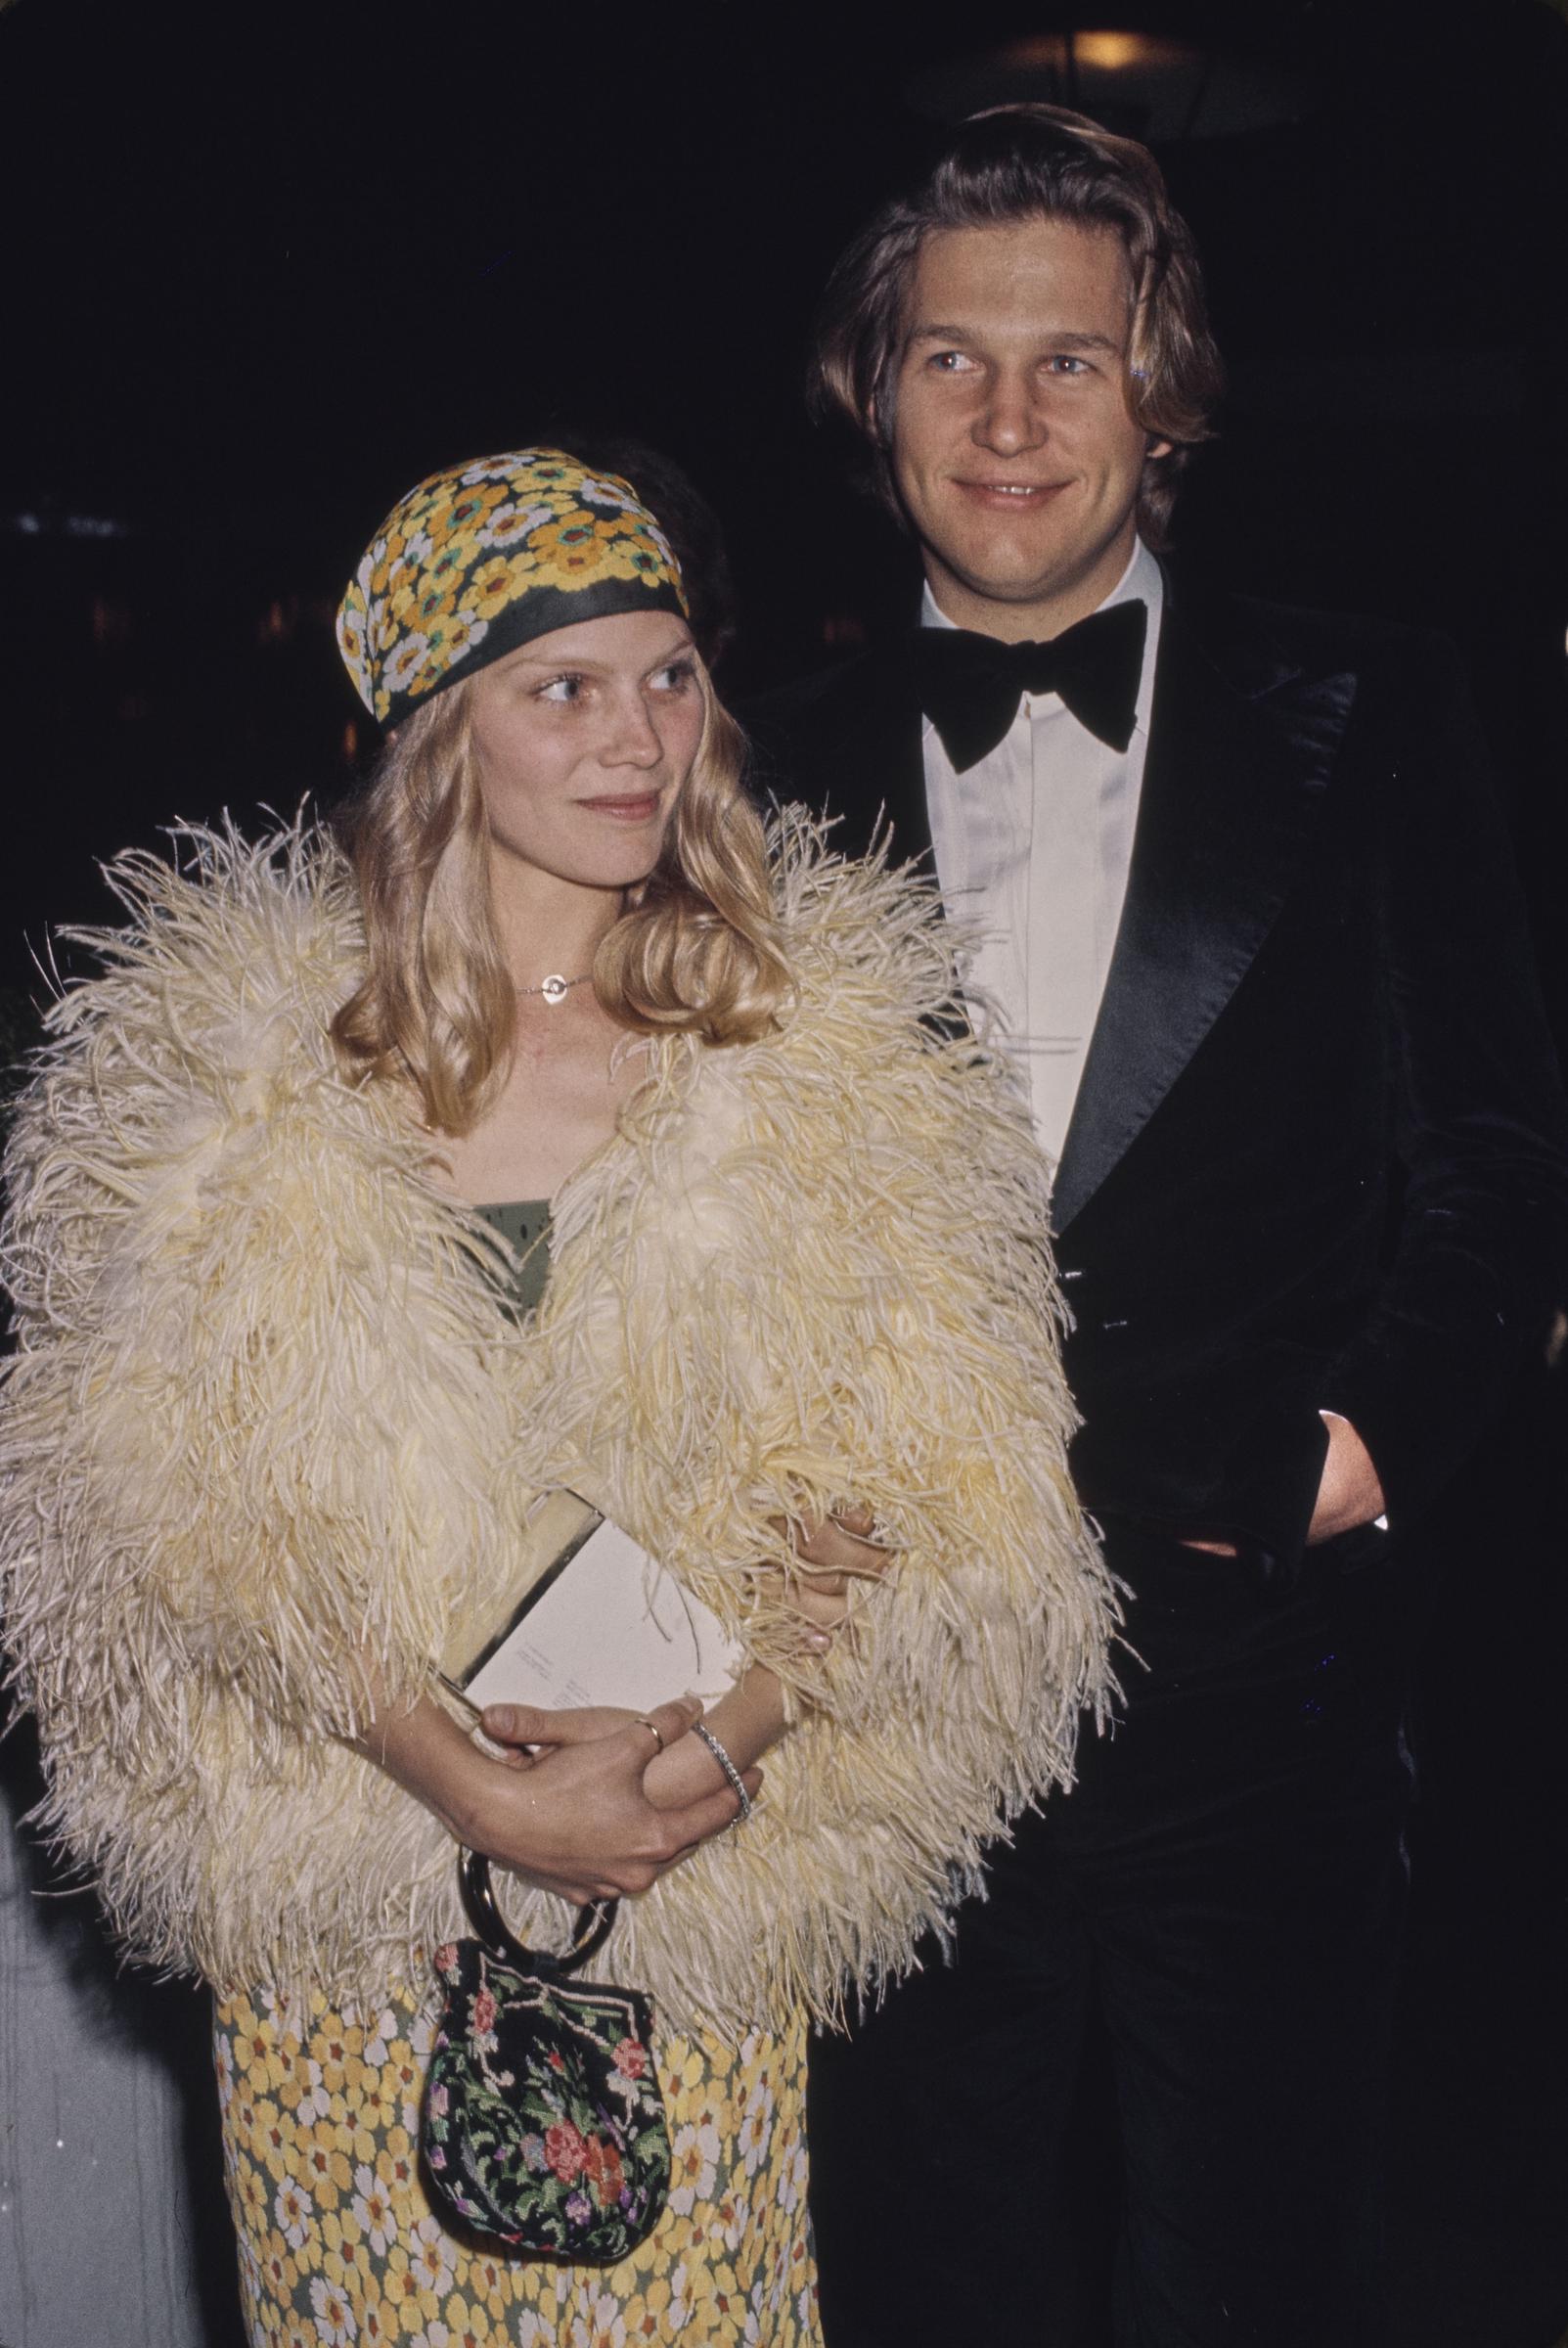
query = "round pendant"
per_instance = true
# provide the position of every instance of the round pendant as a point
(553, 989)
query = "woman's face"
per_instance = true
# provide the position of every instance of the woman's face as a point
(584, 738)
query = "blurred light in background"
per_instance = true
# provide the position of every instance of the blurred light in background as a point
(64, 526)
(278, 622)
(1148, 85)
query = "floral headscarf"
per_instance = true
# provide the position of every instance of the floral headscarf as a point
(483, 558)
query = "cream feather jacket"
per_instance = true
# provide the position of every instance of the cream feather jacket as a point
(266, 1429)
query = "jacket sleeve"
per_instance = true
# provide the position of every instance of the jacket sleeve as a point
(1479, 1124)
(238, 1439)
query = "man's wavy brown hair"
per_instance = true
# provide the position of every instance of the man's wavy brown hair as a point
(1010, 164)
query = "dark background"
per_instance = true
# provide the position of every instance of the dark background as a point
(264, 269)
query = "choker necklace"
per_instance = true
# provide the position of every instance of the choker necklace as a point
(555, 988)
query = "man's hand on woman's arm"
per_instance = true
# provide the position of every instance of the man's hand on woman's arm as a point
(839, 1551)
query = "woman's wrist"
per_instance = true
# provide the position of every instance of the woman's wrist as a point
(473, 1808)
(730, 1775)
(435, 1758)
(746, 1720)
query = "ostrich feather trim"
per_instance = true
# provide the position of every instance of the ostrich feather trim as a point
(267, 1436)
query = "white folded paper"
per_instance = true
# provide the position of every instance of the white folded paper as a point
(603, 1624)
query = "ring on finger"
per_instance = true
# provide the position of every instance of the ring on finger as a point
(652, 1728)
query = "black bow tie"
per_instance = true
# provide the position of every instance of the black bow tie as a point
(971, 686)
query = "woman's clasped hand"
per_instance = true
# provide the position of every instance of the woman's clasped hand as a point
(574, 1807)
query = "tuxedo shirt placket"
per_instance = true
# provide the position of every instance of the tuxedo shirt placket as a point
(982, 832)
(1066, 958)
(1033, 845)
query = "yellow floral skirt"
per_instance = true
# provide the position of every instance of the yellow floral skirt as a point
(338, 2243)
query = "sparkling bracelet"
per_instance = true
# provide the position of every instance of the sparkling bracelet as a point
(699, 1727)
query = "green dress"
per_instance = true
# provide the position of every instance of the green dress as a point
(524, 1225)
(338, 2243)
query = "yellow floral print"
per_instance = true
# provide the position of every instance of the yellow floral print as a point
(464, 546)
(338, 2243)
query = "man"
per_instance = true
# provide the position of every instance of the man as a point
(1248, 921)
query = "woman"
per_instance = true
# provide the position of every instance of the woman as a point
(270, 1444)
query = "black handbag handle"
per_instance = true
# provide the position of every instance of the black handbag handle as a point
(484, 1912)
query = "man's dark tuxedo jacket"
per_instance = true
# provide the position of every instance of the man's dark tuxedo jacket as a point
(1317, 1159)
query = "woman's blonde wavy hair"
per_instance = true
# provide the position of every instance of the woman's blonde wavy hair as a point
(696, 949)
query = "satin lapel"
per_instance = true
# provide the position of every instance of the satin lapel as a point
(1240, 752)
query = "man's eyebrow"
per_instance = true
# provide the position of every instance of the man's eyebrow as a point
(1059, 337)
(1066, 339)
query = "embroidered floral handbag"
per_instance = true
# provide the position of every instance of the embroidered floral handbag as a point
(544, 2121)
